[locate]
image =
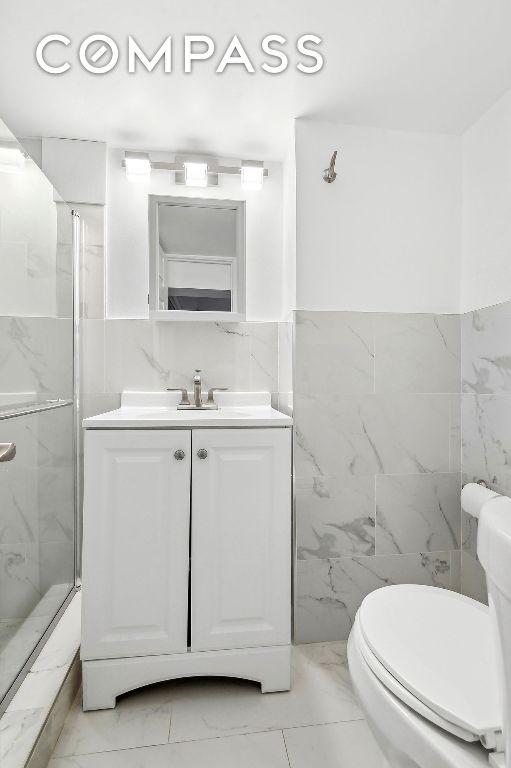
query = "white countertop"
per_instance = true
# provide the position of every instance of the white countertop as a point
(158, 410)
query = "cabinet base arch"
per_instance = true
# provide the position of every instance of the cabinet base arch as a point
(105, 679)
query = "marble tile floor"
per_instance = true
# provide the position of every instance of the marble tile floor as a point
(229, 723)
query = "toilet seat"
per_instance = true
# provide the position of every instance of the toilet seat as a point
(433, 649)
(402, 693)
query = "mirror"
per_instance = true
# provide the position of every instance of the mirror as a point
(197, 249)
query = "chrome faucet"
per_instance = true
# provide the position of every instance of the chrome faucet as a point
(198, 404)
(197, 388)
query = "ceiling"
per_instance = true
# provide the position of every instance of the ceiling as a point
(421, 65)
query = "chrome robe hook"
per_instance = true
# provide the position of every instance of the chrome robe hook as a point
(329, 173)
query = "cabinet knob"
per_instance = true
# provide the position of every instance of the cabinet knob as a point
(202, 453)
(179, 455)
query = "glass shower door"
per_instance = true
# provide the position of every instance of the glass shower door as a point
(37, 410)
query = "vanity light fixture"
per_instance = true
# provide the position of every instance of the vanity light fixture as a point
(196, 174)
(138, 166)
(12, 158)
(194, 171)
(252, 173)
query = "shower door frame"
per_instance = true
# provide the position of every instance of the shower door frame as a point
(42, 407)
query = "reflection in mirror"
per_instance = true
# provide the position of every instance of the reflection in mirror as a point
(198, 247)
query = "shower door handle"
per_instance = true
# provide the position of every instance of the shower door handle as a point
(7, 451)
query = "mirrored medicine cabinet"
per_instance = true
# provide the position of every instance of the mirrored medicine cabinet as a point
(197, 258)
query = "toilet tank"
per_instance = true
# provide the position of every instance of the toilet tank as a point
(494, 551)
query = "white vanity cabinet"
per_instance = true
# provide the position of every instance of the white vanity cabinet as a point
(186, 557)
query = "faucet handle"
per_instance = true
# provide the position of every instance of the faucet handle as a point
(184, 394)
(215, 389)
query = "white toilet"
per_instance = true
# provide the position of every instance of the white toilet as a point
(428, 665)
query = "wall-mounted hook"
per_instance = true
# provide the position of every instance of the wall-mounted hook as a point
(329, 173)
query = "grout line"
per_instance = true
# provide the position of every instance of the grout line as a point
(108, 751)
(327, 476)
(246, 733)
(285, 747)
(227, 735)
(320, 725)
(208, 738)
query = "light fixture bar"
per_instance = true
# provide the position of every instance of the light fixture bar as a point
(142, 165)
(235, 170)
(232, 170)
(156, 165)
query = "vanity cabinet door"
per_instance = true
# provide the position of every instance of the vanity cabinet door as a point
(241, 538)
(135, 542)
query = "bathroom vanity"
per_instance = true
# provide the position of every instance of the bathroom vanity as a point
(186, 544)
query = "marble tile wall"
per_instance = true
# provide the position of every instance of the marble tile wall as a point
(19, 521)
(486, 420)
(150, 355)
(92, 272)
(36, 356)
(36, 532)
(377, 460)
(37, 505)
(36, 362)
(285, 367)
(36, 353)
(29, 278)
(56, 502)
(36, 298)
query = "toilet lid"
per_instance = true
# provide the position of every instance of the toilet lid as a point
(439, 646)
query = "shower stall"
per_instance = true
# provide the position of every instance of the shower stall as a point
(38, 410)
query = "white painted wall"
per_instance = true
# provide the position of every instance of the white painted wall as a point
(128, 237)
(486, 241)
(386, 235)
(77, 169)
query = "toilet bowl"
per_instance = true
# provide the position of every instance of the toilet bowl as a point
(428, 665)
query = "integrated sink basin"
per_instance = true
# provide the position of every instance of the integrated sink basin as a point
(158, 410)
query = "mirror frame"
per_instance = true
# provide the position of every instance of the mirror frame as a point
(238, 313)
